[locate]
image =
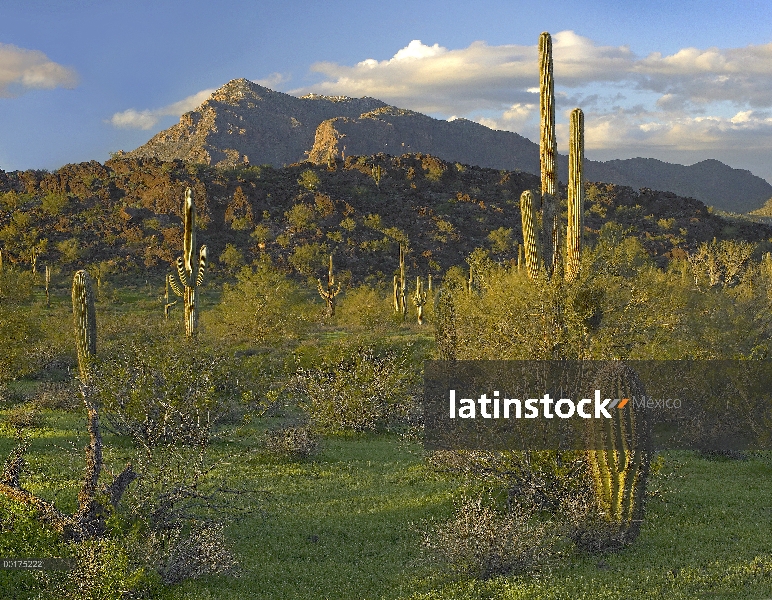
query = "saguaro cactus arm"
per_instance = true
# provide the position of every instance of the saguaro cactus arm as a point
(575, 194)
(530, 234)
(548, 154)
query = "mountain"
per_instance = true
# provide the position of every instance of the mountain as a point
(244, 122)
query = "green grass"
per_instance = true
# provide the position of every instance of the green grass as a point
(347, 524)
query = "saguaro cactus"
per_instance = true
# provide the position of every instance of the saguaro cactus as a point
(48, 283)
(419, 299)
(530, 237)
(575, 194)
(618, 459)
(400, 285)
(548, 154)
(84, 316)
(544, 250)
(329, 294)
(191, 274)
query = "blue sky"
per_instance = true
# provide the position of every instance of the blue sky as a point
(678, 81)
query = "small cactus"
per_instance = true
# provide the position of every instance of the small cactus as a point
(618, 459)
(575, 194)
(329, 294)
(191, 274)
(84, 315)
(48, 283)
(377, 172)
(419, 299)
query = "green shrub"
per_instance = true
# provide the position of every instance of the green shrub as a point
(358, 388)
(166, 394)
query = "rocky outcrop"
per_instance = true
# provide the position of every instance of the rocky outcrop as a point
(395, 131)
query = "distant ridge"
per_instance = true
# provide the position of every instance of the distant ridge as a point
(244, 122)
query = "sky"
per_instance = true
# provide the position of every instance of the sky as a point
(678, 81)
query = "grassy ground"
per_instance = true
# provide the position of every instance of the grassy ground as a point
(347, 524)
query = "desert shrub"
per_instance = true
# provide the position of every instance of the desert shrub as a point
(358, 387)
(309, 259)
(20, 325)
(165, 393)
(57, 395)
(366, 307)
(102, 569)
(173, 516)
(295, 442)
(483, 542)
(24, 416)
(264, 307)
(201, 551)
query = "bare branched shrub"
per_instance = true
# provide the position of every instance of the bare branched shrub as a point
(176, 513)
(484, 543)
(296, 442)
(202, 551)
(56, 395)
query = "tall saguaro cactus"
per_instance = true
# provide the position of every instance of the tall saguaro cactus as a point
(419, 299)
(542, 240)
(548, 154)
(84, 316)
(575, 194)
(400, 286)
(329, 294)
(190, 272)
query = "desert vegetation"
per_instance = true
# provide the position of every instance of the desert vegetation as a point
(263, 437)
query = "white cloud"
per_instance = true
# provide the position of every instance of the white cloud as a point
(23, 70)
(273, 81)
(147, 119)
(434, 79)
(648, 133)
(693, 99)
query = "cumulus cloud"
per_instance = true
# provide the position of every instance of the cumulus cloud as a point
(698, 99)
(435, 79)
(148, 118)
(273, 81)
(23, 70)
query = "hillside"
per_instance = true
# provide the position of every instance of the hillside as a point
(123, 216)
(245, 123)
